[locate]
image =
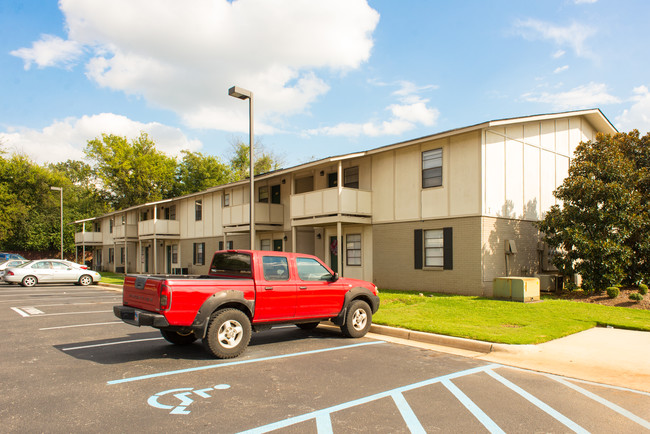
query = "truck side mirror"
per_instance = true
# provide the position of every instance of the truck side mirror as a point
(334, 277)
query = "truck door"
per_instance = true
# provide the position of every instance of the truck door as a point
(275, 290)
(317, 295)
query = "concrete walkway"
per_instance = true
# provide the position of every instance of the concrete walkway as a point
(602, 355)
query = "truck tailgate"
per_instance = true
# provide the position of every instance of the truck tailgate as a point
(142, 292)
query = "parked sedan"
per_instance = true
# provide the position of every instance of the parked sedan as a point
(9, 264)
(7, 256)
(50, 271)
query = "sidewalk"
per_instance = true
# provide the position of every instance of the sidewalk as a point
(602, 355)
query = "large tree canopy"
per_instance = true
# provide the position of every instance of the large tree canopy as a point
(240, 161)
(602, 228)
(197, 172)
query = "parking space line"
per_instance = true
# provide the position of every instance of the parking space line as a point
(324, 424)
(412, 421)
(20, 312)
(538, 403)
(110, 343)
(328, 411)
(71, 313)
(239, 362)
(81, 325)
(27, 300)
(644, 423)
(479, 414)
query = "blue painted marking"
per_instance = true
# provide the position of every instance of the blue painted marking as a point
(324, 424)
(327, 411)
(644, 423)
(239, 362)
(539, 404)
(412, 421)
(473, 408)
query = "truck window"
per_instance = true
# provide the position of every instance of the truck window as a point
(229, 264)
(275, 268)
(311, 269)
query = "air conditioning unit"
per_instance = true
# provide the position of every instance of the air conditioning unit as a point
(549, 282)
(546, 256)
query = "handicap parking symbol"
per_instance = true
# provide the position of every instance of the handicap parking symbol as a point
(185, 395)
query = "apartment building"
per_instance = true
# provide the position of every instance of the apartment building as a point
(447, 212)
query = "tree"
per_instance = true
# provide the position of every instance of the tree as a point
(197, 172)
(240, 162)
(132, 173)
(602, 228)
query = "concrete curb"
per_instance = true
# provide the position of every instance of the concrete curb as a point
(111, 286)
(431, 338)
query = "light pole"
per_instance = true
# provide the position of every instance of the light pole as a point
(60, 190)
(241, 93)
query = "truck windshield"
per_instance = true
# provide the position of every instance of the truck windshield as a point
(231, 264)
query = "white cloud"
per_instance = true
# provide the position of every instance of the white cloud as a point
(49, 51)
(184, 56)
(560, 69)
(411, 111)
(589, 95)
(558, 54)
(573, 35)
(66, 139)
(637, 116)
(579, 2)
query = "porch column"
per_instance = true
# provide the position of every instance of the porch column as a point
(139, 257)
(294, 234)
(339, 243)
(155, 241)
(83, 241)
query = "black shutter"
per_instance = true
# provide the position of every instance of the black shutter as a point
(194, 254)
(417, 252)
(448, 248)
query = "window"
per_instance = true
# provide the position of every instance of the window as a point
(170, 213)
(265, 244)
(199, 253)
(229, 245)
(123, 219)
(275, 268)
(351, 177)
(98, 227)
(111, 255)
(110, 226)
(198, 210)
(263, 194)
(311, 269)
(121, 255)
(175, 253)
(353, 249)
(432, 168)
(433, 248)
(275, 194)
(226, 200)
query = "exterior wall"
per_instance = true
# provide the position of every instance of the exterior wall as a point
(393, 257)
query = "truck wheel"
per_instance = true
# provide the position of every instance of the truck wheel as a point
(178, 338)
(308, 325)
(29, 281)
(358, 319)
(228, 333)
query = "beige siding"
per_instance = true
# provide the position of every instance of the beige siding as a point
(383, 180)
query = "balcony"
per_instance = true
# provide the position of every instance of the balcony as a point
(88, 238)
(265, 214)
(159, 228)
(354, 204)
(125, 231)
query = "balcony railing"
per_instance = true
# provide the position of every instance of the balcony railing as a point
(88, 238)
(265, 213)
(326, 202)
(126, 231)
(161, 227)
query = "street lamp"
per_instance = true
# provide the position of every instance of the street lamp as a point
(241, 93)
(60, 190)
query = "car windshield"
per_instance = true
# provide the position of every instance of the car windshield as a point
(25, 264)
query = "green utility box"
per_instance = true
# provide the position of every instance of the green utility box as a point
(516, 288)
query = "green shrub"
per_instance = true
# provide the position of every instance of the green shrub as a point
(636, 296)
(643, 289)
(613, 291)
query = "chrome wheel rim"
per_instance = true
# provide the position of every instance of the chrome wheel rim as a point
(30, 281)
(359, 319)
(85, 280)
(230, 334)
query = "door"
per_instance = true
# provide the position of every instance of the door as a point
(318, 296)
(169, 259)
(146, 259)
(334, 262)
(276, 291)
(277, 245)
(63, 272)
(275, 194)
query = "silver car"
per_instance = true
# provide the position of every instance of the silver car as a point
(9, 264)
(50, 271)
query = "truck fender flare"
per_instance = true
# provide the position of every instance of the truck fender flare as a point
(356, 293)
(229, 297)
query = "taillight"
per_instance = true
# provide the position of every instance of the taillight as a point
(10, 273)
(165, 297)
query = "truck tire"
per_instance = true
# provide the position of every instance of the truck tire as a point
(178, 338)
(358, 319)
(308, 325)
(229, 332)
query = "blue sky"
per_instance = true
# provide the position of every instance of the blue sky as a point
(329, 77)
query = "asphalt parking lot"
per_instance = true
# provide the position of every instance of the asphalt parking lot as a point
(69, 365)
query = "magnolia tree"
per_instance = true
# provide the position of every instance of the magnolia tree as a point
(601, 230)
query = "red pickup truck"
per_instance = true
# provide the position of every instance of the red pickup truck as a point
(247, 291)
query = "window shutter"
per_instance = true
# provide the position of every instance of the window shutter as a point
(417, 252)
(194, 253)
(448, 248)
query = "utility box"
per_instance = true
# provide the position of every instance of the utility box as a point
(522, 289)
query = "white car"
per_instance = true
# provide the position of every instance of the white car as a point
(50, 271)
(9, 264)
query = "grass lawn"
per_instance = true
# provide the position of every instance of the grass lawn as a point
(108, 277)
(501, 321)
